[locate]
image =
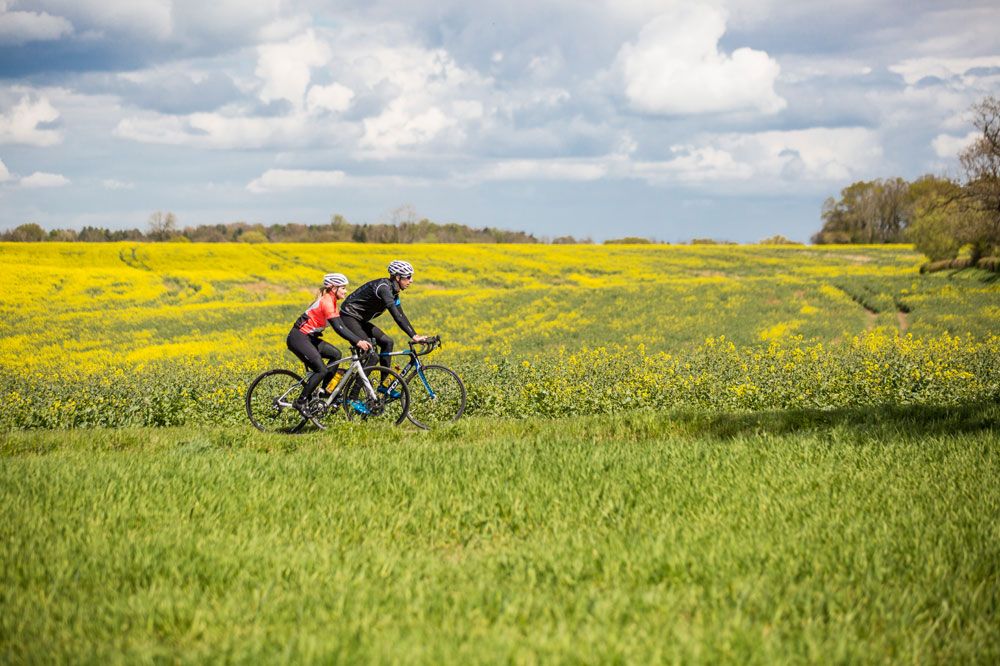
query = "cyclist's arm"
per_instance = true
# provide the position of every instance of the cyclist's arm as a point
(400, 317)
(392, 305)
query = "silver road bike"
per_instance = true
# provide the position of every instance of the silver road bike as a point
(359, 388)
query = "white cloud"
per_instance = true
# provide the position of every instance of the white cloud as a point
(552, 169)
(287, 179)
(433, 99)
(676, 67)
(435, 95)
(334, 97)
(18, 28)
(822, 153)
(948, 146)
(915, 69)
(282, 28)
(146, 18)
(221, 131)
(195, 26)
(768, 159)
(759, 162)
(233, 132)
(21, 123)
(113, 184)
(802, 68)
(913, 106)
(169, 130)
(397, 127)
(286, 68)
(266, 20)
(4, 173)
(406, 98)
(42, 179)
(695, 165)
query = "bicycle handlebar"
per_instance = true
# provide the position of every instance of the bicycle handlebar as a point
(426, 346)
(430, 344)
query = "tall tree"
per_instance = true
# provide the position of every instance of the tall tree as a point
(25, 233)
(162, 226)
(981, 163)
(937, 215)
(867, 212)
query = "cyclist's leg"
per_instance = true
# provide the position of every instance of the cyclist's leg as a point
(359, 329)
(382, 341)
(305, 349)
(384, 344)
(329, 352)
(350, 329)
(330, 355)
(353, 326)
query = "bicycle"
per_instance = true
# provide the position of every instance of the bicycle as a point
(359, 391)
(439, 396)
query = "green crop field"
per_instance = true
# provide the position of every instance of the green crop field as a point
(847, 536)
(671, 454)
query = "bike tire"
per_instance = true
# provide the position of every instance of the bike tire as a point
(265, 411)
(384, 407)
(439, 401)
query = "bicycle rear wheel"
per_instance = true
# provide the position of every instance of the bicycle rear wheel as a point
(269, 402)
(392, 398)
(436, 398)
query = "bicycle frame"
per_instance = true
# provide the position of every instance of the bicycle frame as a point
(352, 387)
(354, 368)
(414, 365)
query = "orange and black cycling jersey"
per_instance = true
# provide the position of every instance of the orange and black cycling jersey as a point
(316, 317)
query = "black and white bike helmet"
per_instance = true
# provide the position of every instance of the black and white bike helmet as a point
(400, 268)
(335, 280)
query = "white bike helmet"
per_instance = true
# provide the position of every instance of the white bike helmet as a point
(335, 280)
(400, 269)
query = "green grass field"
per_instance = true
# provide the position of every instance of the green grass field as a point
(796, 536)
(678, 454)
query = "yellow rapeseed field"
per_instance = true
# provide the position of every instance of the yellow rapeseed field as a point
(169, 333)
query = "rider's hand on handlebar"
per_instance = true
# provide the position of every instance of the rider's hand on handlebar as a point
(419, 338)
(364, 345)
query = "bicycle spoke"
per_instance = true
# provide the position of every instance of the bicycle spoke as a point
(269, 402)
(437, 396)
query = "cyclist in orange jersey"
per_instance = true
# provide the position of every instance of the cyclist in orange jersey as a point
(305, 339)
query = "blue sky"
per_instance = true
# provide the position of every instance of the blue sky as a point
(599, 119)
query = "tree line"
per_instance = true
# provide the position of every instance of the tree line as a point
(944, 218)
(163, 227)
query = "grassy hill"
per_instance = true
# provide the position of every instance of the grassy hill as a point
(853, 535)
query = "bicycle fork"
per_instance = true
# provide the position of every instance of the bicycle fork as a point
(423, 380)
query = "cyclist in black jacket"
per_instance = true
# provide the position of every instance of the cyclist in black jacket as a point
(368, 302)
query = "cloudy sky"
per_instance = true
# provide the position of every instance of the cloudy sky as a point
(731, 119)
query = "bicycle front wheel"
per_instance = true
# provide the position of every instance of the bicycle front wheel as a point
(269, 402)
(437, 396)
(390, 403)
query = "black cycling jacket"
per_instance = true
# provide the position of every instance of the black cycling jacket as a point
(372, 299)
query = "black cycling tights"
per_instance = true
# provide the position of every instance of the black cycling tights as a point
(312, 351)
(366, 330)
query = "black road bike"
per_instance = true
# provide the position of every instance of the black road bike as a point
(437, 394)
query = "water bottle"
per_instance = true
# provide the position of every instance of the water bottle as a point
(335, 379)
